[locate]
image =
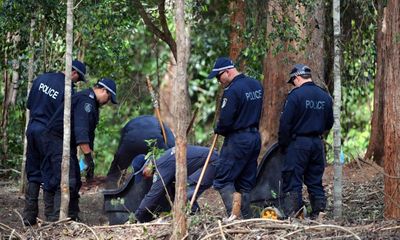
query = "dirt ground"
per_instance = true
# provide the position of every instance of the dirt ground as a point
(362, 216)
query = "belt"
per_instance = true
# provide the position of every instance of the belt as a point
(249, 129)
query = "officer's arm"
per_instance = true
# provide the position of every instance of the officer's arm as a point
(229, 105)
(81, 122)
(329, 123)
(152, 199)
(287, 121)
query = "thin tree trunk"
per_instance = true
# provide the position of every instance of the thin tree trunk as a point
(67, 115)
(27, 113)
(337, 177)
(375, 147)
(181, 110)
(4, 119)
(391, 110)
(15, 74)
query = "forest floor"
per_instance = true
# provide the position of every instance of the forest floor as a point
(363, 218)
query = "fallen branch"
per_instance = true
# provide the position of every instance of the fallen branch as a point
(324, 227)
(12, 231)
(130, 225)
(86, 226)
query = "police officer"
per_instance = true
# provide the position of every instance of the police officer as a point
(196, 157)
(133, 142)
(238, 122)
(45, 96)
(85, 116)
(307, 115)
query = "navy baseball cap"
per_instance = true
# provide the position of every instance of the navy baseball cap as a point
(80, 68)
(298, 70)
(110, 85)
(222, 63)
(138, 162)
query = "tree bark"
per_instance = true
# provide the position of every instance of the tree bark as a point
(337, 177)
(12, 96)
(278, 65)
(67, 114)
(375, 147)
(166, 97)
(27, 113)
(238, 25)
(4, 118)
(181, 110)
(391, 110)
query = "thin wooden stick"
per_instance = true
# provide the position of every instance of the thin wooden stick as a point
(203, 171)
(220, 229)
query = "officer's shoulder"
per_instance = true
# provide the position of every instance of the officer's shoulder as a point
(322, 88)
(293, 91)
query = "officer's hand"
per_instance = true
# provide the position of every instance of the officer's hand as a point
(90, 166)
(148, 172)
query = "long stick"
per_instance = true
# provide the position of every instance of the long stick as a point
(156, 108)
(203, 171)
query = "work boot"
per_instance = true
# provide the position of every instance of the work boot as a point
(291, 204)
(73, 209)
(245, 205)
(48, 198)
(31, 204)
(227, 197)
(56, 207)
(317, 205)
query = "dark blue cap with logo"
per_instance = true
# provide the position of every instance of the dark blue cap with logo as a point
(80, 68)
(298, 70)
(110, 85)
(222, 63)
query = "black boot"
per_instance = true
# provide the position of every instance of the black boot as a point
(73, 210)
(317, 205)
(291, 204)
(56, 207)
(245, 205)
(48, 198)
(31, 204)
(227, 197)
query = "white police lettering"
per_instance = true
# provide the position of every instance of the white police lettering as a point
(253, 95)
(317, 105)
(48, 90)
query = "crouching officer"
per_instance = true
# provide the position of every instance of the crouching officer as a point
(238, 122)
(85, 116)
(133, 142)
(166, 166)
(45, 96)
(307, 115)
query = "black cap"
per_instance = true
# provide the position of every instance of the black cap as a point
(110, 85)
(80, 68)
(298, 70)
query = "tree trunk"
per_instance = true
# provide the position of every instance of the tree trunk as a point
(278, 65)
(27, 113)
(375, 147)
(166, 98)
(4, 118)
(15, 74)
(337, 177)
(67, 114)
(238, 25)
(181, 111)
(391, 111)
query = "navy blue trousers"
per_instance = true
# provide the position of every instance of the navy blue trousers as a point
(35, 152)
(237, 162)
(304, 162)
(51, 169)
